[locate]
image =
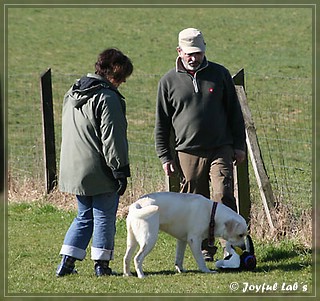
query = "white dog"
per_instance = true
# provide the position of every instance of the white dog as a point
(184, 216)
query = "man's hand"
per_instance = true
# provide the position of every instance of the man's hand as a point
(239, 156)
(168, 168)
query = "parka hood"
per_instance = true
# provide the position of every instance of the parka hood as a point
(85, 87)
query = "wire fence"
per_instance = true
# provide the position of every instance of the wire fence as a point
(284, 127)
(283, 120)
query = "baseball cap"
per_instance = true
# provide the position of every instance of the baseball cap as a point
(191, 40)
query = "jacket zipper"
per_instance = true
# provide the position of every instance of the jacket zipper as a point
(195, 84)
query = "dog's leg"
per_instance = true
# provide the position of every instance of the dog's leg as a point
(147, 238)
(195, 246)
(127, 258)
(180, 250)
(131, 246)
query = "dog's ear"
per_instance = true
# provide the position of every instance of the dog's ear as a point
(230, 225)
(249, 245)
(233, 226)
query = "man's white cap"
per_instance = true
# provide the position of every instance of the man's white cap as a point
(191, 40)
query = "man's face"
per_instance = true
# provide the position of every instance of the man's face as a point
(191, 61)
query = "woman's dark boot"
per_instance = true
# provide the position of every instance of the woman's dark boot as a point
(101, 268)
(66, 267)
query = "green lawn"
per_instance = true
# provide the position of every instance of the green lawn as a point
(36, 232)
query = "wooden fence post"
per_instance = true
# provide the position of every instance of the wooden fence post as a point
(48, 131)
(173, 182)
(241, 174)
(256, 160)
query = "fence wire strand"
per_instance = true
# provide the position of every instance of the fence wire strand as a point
(283, 120)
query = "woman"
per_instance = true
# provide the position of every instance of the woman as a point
(94, 162)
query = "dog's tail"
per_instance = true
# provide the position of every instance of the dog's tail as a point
(137, 211)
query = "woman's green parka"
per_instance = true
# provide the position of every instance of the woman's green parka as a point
(94, 148)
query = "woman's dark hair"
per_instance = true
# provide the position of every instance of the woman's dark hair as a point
(112, 63)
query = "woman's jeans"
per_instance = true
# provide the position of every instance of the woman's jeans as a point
(97, 219)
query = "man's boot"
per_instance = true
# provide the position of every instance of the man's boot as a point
(208, 251)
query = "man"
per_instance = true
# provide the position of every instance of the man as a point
(94, 161)
(197, 102)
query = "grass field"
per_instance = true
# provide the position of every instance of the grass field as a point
(36, 232)
(273, 45)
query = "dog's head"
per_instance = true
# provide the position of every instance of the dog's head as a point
(235, 232)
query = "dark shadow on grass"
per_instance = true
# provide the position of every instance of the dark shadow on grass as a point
(166, 272)
(271, 266)
(163, 272)
(173, 272)
(296, 266)
(261, 268)
(278, 254)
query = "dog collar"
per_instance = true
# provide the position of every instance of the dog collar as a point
(211, 225)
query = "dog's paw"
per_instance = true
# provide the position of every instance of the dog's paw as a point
(180, 269)
(127, 274)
